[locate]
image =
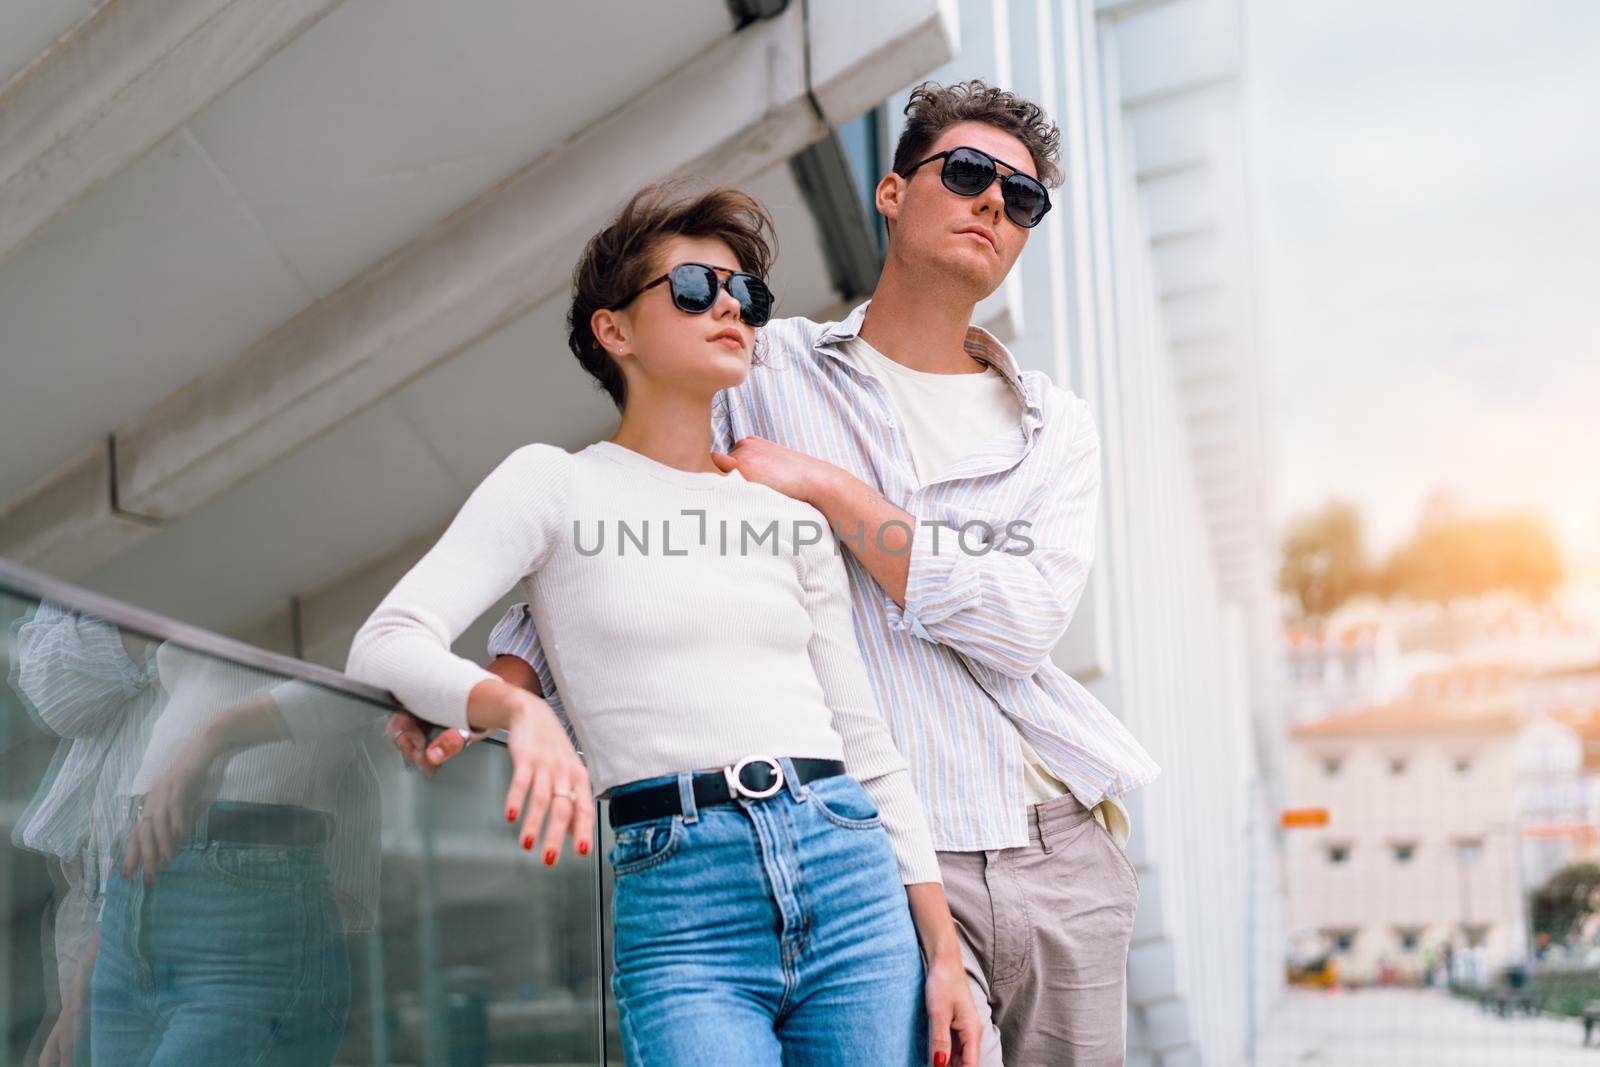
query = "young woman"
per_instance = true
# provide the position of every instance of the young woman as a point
(774, 871)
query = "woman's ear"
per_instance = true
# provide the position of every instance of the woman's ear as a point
(613, 330)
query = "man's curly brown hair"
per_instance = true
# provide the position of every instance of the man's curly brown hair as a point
(623, 256)
(934, 108)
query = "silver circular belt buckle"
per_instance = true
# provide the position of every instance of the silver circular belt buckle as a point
(737, 787)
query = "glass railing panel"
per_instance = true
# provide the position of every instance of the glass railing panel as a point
(216, 854)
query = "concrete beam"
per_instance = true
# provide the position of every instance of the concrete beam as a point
(116, 86)
(728, 115)
(67, 523)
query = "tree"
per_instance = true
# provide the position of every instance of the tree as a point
(1324, 560)
(1565, 902)
(1453, 556)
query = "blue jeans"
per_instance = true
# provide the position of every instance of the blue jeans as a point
(771, 931)
(235, 955)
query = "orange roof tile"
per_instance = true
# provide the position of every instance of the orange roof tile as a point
(1406, 719)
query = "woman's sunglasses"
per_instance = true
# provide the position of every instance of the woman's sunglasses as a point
(969, 171)
(695, 285)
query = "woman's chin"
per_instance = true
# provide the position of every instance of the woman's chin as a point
(731, 369)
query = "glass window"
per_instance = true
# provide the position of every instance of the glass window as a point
(1341, 939)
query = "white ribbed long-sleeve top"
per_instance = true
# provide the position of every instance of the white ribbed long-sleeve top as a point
(690, 619)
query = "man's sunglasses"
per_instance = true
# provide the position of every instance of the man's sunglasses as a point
(695, 285)
(969, 171)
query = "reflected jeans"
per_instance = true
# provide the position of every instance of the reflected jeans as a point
(771, 931)
(235, 955)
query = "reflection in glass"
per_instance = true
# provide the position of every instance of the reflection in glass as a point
(205, 862)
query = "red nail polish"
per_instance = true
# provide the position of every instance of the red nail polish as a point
(938, 1059)
(511, 815)
(527, 842)
(583, 848)
(549, 857)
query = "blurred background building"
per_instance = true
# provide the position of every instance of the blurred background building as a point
(281, 283)
(1454, 748)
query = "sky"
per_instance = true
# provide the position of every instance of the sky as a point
(1426, 182)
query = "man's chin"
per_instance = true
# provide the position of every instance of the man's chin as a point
(971, 279)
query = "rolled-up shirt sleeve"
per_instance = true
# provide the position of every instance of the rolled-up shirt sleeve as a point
(74, 671)
(870, 754)
(503, 532)
(722, 421)
(1007, 608)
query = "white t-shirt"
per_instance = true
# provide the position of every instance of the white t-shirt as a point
(947, 417)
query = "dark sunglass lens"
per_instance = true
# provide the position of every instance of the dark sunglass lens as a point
(1026, 200)
(966, 172)
(694, 288)
(755, 299)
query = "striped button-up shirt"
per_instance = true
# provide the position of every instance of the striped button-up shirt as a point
(965, 666)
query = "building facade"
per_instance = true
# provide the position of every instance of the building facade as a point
(1441, 821)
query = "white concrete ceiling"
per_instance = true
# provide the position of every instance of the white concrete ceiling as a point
(405, 464)
(382, 119)
(27, 28)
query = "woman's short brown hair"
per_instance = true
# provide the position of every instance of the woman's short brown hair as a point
(622, 257)
(934, 108)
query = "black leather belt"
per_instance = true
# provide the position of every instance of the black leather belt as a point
(264, 826)
(754, 777)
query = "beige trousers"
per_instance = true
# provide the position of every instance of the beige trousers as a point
(1045, 930)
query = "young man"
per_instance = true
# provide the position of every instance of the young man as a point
(964, 493)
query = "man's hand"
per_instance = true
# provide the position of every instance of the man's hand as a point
(794, 474)
(60, 1048)
(410, 736)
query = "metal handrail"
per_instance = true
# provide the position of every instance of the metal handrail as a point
(28, 583)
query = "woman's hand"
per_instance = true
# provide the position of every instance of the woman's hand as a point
(951, 1012)
(169, 809)
(547, 777)
(168, 812)
(955, 1031)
